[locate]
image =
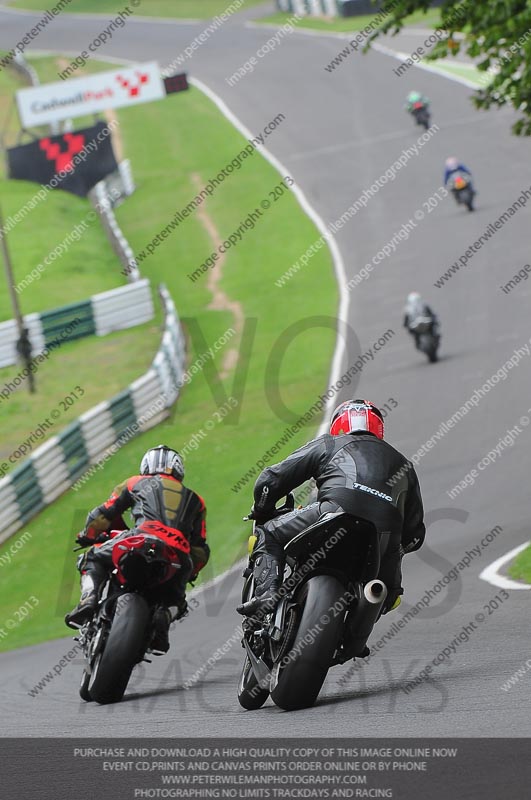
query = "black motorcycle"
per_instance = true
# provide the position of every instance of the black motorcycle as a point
(326, 609)
(462, 189)
(421, 113)
(426, 336)
(124, 628)
(429, 345)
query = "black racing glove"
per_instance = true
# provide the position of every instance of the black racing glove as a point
(259, 515)
(84, 540)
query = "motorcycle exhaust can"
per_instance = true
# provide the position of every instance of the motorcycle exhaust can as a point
(365, 615)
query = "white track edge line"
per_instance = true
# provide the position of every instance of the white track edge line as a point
(399, 56)
(339, 266)
(380, 48)
(491, 575)
(218, 578)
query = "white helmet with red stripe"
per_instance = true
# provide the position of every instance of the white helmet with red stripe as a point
(357, 416)
(162, 460)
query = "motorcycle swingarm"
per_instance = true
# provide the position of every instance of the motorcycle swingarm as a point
(261, 671)
(276, 628)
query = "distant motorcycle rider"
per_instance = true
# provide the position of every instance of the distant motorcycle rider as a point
(158, 495)
(416, 97)
(415, 311)
(452, 167)
(419, 107)
(356, 471)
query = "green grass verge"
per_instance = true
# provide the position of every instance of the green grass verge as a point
(347, 24)
(87, 267)
(520, 569)
(169, 142)
(468, 71)
(183, 9)
(102, 367)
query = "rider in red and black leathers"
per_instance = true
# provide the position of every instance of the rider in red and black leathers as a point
(356, 471)
(156, 496)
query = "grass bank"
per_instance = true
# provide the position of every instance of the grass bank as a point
(280, 362)
(178, 9)
(520, 569)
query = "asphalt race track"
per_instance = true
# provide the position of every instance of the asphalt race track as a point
(342, 131)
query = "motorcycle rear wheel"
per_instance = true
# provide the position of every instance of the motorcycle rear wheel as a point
(113, 666)
(301, 679)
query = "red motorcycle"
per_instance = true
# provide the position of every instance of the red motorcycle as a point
(124, 628)
(462, 189)
(421, 113)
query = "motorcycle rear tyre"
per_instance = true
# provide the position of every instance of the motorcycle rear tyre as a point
(302, 678)
(113, 666)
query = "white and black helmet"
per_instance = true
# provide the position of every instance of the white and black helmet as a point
(162, 459)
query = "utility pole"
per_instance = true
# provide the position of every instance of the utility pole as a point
(23, 343)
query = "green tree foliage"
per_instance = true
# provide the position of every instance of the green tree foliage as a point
(495, 33)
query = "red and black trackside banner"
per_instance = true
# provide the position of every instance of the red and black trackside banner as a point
(176, 83)
(74, 161)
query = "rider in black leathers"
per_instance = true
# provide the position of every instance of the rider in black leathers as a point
(356, 471)
(416, 308)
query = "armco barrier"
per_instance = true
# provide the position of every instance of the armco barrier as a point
(316, 8)
(21, 66)
(59, 462)
(101, 201)
(335, 8)
(101, 314)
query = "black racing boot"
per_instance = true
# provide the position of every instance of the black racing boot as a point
(84, 610)
(181, 610)
(91, 581)
(268, 571)
(162, 619)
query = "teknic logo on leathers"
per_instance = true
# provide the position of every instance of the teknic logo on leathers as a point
(375, 492)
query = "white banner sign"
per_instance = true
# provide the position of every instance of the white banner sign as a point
(80, 96)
